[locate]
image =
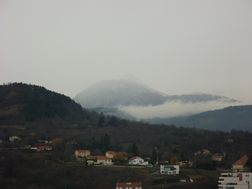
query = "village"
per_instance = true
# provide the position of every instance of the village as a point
(163, 170)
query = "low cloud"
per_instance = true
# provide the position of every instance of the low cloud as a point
(174, 109)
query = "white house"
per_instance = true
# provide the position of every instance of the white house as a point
(137, 161)
(82, 153)
(169, 169)
(238, 178)
(110, 154)
(14, 138)
(235, 180)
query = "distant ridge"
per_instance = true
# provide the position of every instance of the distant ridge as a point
(233, 117)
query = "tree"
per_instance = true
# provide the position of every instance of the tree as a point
(173, 160)
(154, 157)
(57, 143)
(133, 150)
(101, 121)
(105, 142)
(113, 121)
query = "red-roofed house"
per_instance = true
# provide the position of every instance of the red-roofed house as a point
(42, 147)
(116, 155)
(240, 164)
(128, 185)
(103, 160)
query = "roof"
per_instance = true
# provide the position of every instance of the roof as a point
(83, 151)
(91, 157)
(42, 145)
(242, 161)
(135, 157)
(102, 158)
(111, 152)
(128, 184)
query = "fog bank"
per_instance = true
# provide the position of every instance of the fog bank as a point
(174, 109)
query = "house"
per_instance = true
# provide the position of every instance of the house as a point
(82, 153)
(240, 165)
(14, 138)
(237, 180)
(185, 163)
(137, 161)
(121, 156)
(103, 160)
(128, 185)
(41, 147)
(217, 157)
(111, 154)
(91, 160)
(202, 152)
(116, 155)
(168, 169)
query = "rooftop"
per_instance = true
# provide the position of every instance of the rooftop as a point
(242, 161)
(128, 184)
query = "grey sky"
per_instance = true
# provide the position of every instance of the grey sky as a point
(174, 46)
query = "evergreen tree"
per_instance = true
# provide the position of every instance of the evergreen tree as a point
(154, 157)
(133, 150)
(113, 121)
(101, 121)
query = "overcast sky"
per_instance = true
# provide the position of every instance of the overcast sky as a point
(174, 46)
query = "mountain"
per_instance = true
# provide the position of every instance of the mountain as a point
(234, 117)
(116, 93)
(129, 99)
(22, 102)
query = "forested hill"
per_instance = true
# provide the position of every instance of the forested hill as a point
(23, 102)
(234, 117)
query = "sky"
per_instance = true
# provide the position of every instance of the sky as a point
(174, 46)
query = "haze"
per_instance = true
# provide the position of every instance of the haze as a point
(177, 47)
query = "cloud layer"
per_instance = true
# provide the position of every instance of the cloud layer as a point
(174, 109)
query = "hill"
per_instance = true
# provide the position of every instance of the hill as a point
(22, 102)
(234, 117)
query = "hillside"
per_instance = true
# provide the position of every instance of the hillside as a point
(24, 109)
(22, 102)
(235, 117)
